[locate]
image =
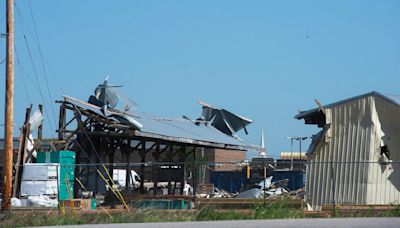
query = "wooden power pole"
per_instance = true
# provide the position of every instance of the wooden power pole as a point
(9, 108)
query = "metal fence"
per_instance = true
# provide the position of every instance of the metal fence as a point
(318, 183)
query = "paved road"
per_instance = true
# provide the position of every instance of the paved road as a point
(297, 223)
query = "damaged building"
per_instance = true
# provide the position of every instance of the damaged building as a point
(108, 129)
(353, 160)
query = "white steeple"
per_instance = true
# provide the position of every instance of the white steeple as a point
(262, 154)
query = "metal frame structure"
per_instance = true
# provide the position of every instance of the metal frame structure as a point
(97, 140)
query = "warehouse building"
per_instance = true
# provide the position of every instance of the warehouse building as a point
(353, 160)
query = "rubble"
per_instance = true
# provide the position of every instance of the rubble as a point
(272, 190)
(253, 193)
(42, 201)
(222, 194)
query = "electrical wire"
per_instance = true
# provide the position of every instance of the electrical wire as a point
(23, 73)
(34, 68)
(26, 90)
(41, 58)
(54, 77)
(38, 44)
(21, 67)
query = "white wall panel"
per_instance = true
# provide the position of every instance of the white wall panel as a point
(353, 143)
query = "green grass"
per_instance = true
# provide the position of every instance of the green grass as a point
(392, 213)
(367, 213)
(210, 214)
(279, 210)
(282, 209)
(35, 218)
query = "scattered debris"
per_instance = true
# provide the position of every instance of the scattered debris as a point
(272, 190)
(275, 192)
(222, 194)
(267, 184)
(253, 193)
(15, 202)
(42, 201)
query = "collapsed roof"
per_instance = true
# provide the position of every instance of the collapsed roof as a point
(216, 131)
(108, 96)
(223, 120)
(317, 116)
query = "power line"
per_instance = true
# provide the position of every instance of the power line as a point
(34, 67)
(23, 73)
(54, 77)
(19, 64)
(26, 90)
(41, 58)
(37, 43)
(44, 62)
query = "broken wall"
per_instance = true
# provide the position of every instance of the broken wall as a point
(347, 143)
(384, 175)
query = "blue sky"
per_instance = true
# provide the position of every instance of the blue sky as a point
(261, 59)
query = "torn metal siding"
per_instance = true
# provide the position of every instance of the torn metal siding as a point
(384, 177)
(224, 120)
(340, 169)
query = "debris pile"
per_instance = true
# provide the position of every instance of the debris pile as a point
(270, 190)
(222, 194)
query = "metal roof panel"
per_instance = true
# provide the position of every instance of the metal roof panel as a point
(395, 99)
(176, 127)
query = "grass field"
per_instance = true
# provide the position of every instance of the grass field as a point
(279, 210)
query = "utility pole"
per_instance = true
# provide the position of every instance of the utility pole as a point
(291, 151)
(300, 139)
(291, 147)
(9, 108)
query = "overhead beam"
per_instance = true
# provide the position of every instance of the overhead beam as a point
(320, 106)
(138, 135)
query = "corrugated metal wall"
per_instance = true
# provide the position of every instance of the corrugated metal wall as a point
(384, 179)
(344, 167)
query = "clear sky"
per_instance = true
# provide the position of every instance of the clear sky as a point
(261, 59)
